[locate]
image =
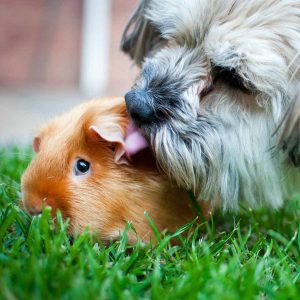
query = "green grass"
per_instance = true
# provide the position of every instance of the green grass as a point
(254, 255)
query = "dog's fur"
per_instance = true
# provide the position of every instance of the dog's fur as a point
(113, 192)
(222, 77)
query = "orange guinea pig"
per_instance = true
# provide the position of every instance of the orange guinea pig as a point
(80, 168)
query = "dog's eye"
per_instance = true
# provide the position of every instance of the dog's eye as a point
(81, 167)
(232, 78)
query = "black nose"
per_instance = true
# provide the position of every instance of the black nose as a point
(139, 108)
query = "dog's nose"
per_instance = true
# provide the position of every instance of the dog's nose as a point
(138, 107)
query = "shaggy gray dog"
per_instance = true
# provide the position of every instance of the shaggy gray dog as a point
(217, 95)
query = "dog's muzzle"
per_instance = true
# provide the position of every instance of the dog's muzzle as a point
(139, 107)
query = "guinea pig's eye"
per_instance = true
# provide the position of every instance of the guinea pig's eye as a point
(81, 167)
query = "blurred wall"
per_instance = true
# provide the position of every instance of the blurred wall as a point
(40, 45)
(122, 72)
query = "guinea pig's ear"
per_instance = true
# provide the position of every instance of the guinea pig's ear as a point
(113, 134)
(36, 144)
(139, 36)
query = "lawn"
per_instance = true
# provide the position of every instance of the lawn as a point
(254, 255)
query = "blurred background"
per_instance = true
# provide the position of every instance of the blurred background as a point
(55, 54)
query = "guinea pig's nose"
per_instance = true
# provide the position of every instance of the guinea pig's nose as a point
(34, 211)
(33, 207)
(139, 108)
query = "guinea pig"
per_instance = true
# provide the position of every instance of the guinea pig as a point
(81, 168)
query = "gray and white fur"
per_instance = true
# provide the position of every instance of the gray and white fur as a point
(217, 95)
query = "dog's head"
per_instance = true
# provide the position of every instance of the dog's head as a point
(211, 91)
(175, 69)
(179, 65)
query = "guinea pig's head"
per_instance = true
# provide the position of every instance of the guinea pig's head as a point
(80, 168)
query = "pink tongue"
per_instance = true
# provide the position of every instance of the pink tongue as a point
(134, 141)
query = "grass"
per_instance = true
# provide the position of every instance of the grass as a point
(254, 255)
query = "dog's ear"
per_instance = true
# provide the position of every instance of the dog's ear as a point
(289, 130)
(139, 36)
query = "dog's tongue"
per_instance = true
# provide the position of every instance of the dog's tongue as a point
(134, 141)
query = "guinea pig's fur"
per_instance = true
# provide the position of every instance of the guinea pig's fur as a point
(113, 192)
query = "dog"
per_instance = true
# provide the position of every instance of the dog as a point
(217, 95)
